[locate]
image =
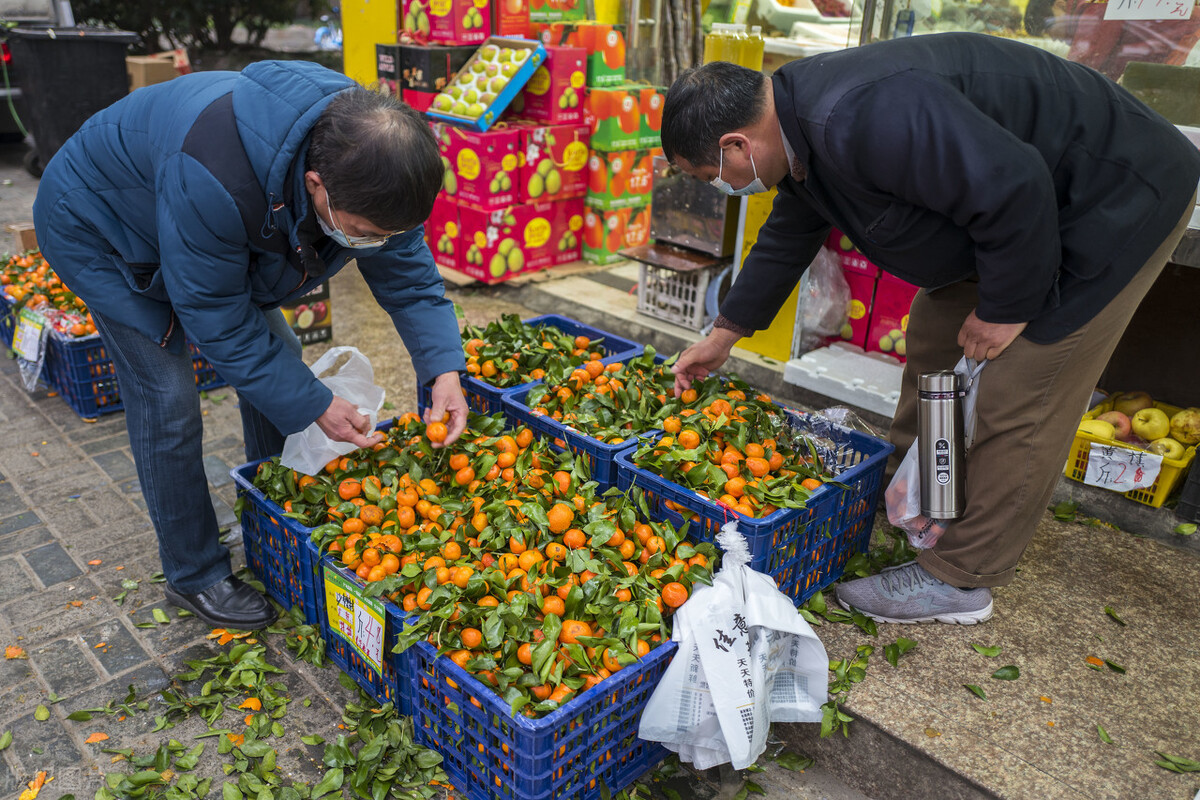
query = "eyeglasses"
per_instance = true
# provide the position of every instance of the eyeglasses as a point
(361, 241)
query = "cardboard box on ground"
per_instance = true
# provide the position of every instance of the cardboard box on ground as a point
(311, 316)
(157, 68)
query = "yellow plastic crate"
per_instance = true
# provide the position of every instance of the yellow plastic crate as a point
(1173, 470)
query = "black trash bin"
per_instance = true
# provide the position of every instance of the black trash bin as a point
(68, 75)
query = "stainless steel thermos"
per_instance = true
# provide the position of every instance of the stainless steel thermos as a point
(940, 443)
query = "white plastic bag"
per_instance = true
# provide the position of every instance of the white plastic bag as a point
(746, 659)
(824, 299)
(310, 450)
(903, 495)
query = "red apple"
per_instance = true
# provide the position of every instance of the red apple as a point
(1120, 423)
(319, 310)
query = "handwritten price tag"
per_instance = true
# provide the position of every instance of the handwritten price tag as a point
(1148, 9)
(357, 619)
(1121, 469)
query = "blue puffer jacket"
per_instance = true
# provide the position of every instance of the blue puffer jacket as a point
(150, 238)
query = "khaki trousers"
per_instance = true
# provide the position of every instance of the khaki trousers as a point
(1029, 404)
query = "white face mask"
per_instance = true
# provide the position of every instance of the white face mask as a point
(344, 240)
(755, 186)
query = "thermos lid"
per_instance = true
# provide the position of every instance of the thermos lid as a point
(942, 381)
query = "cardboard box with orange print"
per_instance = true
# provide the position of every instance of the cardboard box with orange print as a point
(557, 10)
(555, 92)
(553, 161)
(620, 179)
(441, 232)
(615, 116)
(498, 245)
(605, 46)
(448, 21)
(889, 317)
(650, 103)
(510, 18)
(481, 168)
(606, 233)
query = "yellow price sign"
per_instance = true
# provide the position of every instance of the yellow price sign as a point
(537, 232)
(452, 230)
(575, 156)
(467, 164)
(509, 162)
(540, 82)
(357, 619)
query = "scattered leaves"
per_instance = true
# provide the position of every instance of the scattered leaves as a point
(793, 761)
(41, 713)
(989, 651)
(932, 733)
(1104, 737)
(1177, 764)
(1009, 673)
(161, 617)
(1113, 614)
(5, 740)
(894, 651)
(96, 737)
(975, 690)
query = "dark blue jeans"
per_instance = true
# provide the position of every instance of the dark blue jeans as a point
(166, 435)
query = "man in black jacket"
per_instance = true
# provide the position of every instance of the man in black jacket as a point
(1035, 202)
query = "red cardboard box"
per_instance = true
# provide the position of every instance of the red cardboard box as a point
(862, 276)
(605, 46)
(606, 232)
(555, 92)
(553, 161)
(482, 168)
(566, 231)
(510, 18)
(619, 180)
(499, 245)
(449, 21)
(889, 317)
(441, 232)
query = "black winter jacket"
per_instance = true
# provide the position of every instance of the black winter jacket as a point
(950, 156)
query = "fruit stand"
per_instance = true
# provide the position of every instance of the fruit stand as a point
(514, 591)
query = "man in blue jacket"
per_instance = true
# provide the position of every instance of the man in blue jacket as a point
(202, 204)
(1035, 202)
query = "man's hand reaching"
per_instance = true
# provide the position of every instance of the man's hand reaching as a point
(985, 340)
(342, 423)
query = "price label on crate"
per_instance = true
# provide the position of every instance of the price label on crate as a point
(27, 339)
(357, 619)
(1121, 469)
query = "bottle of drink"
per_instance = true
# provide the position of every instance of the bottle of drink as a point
(754, 49)
(940, 443)
(713, 43)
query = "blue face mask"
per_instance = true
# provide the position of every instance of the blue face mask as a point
(754, 187)
(342, 239)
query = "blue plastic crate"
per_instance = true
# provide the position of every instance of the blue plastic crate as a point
(803, 549)
(394, 683)
(82, 372)
(279, 550)
(537, 54)
(484, 398)
(569, 754)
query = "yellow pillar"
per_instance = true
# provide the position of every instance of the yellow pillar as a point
(366, 23)
(776, 341)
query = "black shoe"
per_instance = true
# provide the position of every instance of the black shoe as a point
(227, 604)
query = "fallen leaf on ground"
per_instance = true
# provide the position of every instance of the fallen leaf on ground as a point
(35, 786)
(13, 651)
(95, 737)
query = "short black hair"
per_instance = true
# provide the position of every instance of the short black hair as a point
(704, 104)
(377, 158)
